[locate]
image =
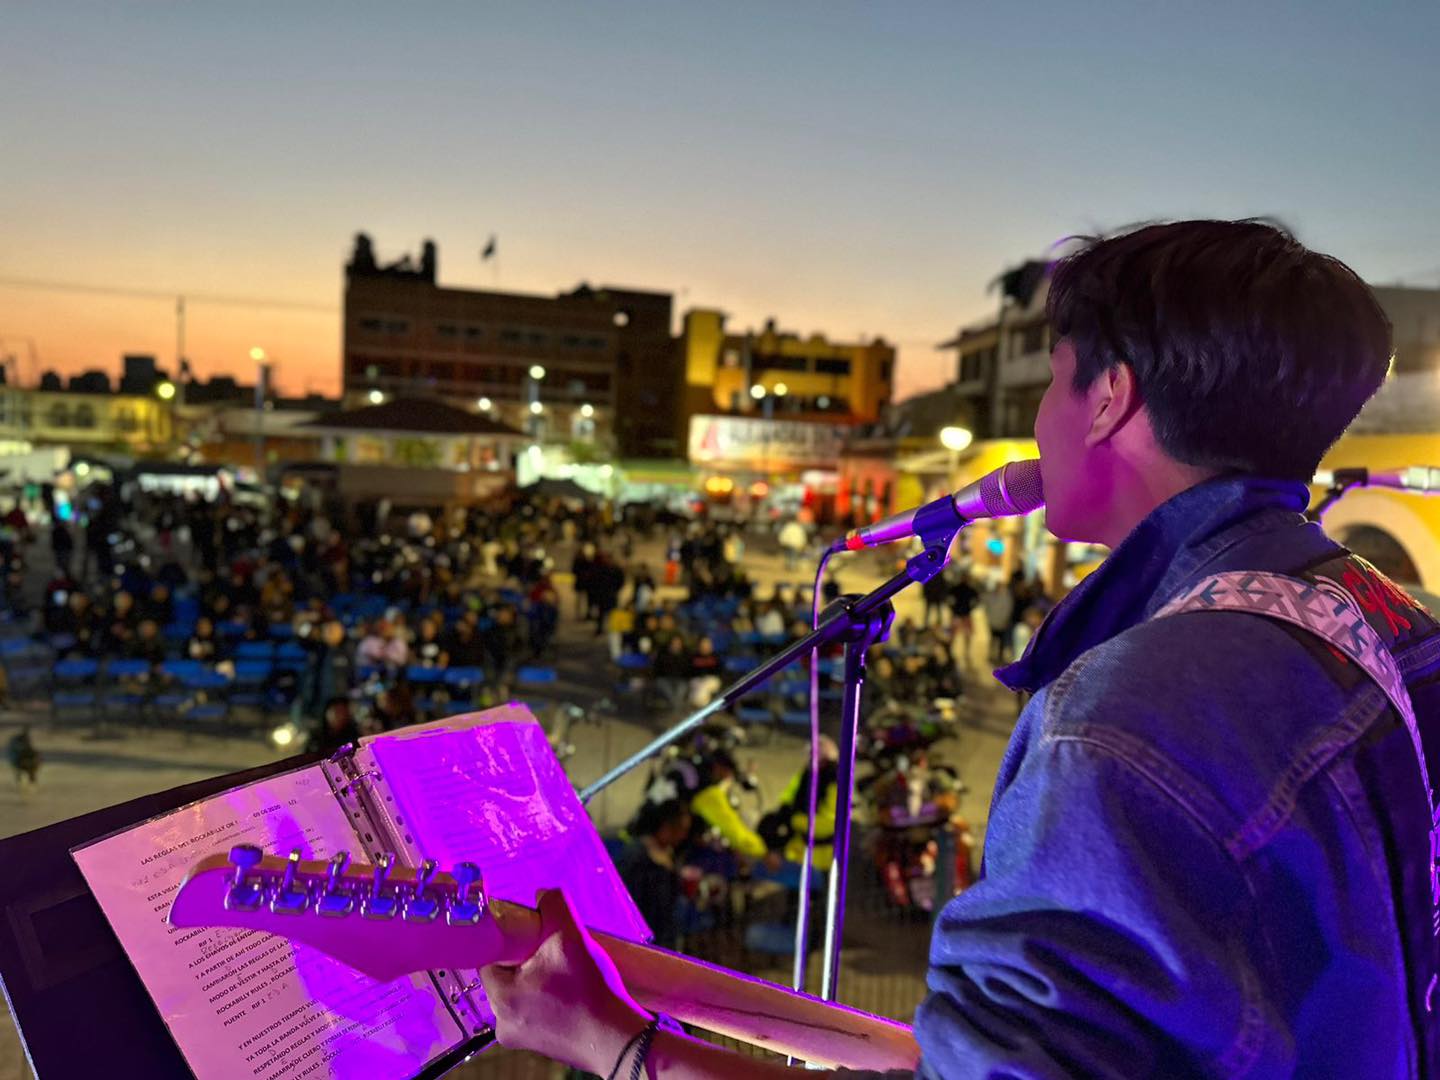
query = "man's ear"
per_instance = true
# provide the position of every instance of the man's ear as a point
(1113, 399)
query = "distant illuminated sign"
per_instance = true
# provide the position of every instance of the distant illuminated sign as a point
(742, 441)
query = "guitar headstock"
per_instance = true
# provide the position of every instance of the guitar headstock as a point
(381, 919)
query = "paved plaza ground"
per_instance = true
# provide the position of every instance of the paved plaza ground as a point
(885, 953)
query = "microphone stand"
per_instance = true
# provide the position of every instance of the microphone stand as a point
(1341, 481)
(859, 622)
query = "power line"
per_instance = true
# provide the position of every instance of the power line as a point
(158, 294)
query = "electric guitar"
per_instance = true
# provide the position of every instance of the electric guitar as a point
(386, 921)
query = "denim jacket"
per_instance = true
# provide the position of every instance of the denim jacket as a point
(1188, 866)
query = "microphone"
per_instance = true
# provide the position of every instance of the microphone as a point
(1421, 479)
(1009, 490)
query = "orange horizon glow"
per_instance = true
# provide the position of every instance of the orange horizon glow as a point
(80, 332)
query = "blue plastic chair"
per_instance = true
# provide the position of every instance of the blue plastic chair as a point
(209, 699)
(291, 657)
(463, 683)
(633, 661)
(795, 718)
(756, 715)
(738, 665)
(127, 691)
(254, 650)
(248, 689)
(74, 687)
(187, 610)
(536, 676)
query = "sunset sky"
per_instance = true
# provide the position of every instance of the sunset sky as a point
(847, 168)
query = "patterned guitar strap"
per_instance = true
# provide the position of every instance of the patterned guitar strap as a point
(1333, 615)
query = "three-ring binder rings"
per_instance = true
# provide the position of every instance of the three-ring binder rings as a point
(481, 793)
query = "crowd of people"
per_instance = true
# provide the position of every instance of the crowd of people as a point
(366, 613)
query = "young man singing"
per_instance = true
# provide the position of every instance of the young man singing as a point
(1209, 849)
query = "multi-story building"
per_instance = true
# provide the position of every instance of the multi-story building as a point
(134, 423)
(773, 372)
(1002, 365)
(594, 364)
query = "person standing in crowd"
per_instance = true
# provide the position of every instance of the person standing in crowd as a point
(935, 591)
(999, 605)
(337, 727)
(608, 581)
(794, 538)
(583, 571)
(963, 600)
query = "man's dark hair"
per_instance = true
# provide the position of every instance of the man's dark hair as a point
(654, 816)
(1251, 352)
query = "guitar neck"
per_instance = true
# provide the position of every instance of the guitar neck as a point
(743, 1007)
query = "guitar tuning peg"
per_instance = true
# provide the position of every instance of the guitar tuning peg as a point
(419, 907)
(289, 900)
(375, 904)
(333, 901)
(245, 894)
(463, 910)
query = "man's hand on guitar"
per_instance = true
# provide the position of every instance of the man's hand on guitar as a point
(567, 1001)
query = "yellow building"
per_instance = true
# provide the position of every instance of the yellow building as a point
(136, 423)
(800, 377)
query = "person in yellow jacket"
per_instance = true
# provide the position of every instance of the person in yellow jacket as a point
(712, 807)
(796, 796)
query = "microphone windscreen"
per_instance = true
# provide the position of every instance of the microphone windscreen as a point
(1015, 489)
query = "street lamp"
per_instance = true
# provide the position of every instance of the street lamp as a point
(257, 354)
(165, 390)
(484, 404)
(757, 391)
(955, 439)
(536, 408)
(781, 389)
(587, 410)
(377, 397)
(537, 372)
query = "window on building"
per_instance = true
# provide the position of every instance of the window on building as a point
(776, 362)
(537, 338)
(511, 336)
(886, 368)
(372, 324)
(970, 367)
(829, 365)
(447, 330)
(58, 415)
(1033, 339)
(397, 326)
(474, 333)
(125, 421)
(84, 417)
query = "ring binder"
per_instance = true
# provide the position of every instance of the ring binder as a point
(376, 799)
